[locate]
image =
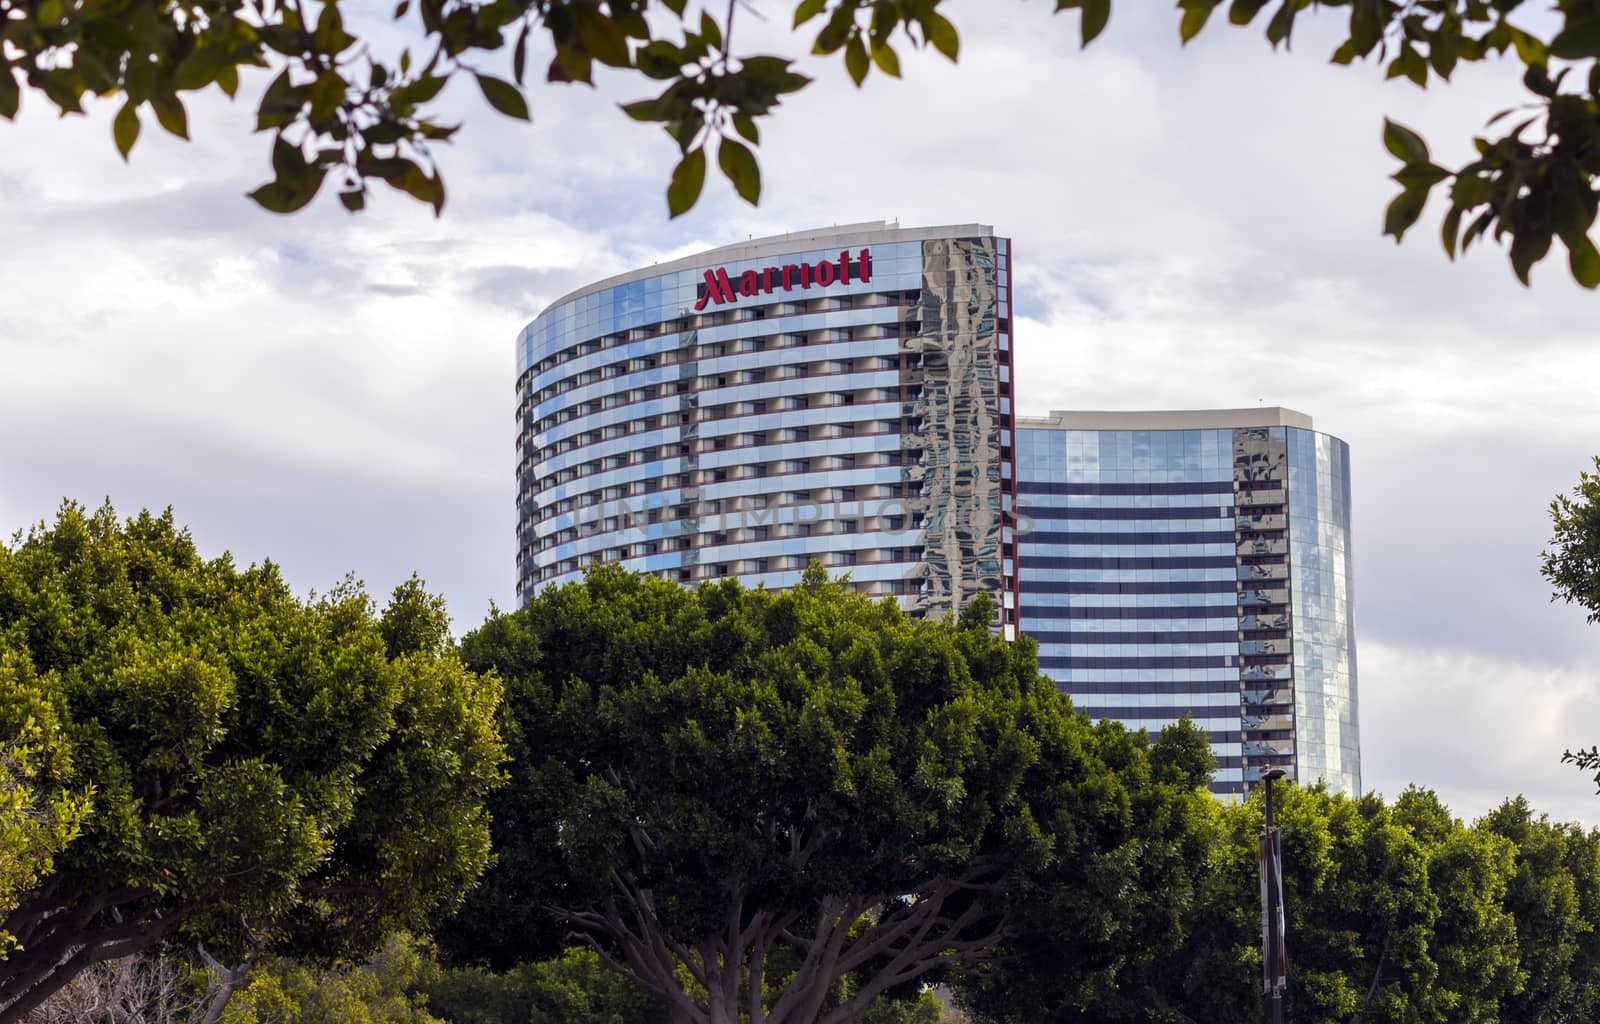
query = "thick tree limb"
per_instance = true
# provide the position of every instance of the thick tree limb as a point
(112, 943)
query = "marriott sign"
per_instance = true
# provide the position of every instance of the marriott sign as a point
(719, 287)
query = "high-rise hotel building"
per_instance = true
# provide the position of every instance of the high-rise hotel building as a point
(839, 395)
(1197, 563)
(845, 395)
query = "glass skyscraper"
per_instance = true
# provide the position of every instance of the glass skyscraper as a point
(839, 395)
(1197, 564)
(845, 395)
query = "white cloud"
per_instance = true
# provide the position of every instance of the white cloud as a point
(1478, 730)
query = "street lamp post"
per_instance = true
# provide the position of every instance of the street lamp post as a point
(1272, 907)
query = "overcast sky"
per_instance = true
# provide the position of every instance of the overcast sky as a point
(1191, 227)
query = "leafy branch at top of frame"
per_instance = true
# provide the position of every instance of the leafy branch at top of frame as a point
(1533, 184)
(336, 109)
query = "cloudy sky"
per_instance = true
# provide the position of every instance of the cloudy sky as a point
(1192, 227)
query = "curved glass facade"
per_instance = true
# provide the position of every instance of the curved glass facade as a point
(1326, 733)
(841, 396)
(1200, 569)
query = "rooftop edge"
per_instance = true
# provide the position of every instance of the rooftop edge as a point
(1176, 419)
(756, 248)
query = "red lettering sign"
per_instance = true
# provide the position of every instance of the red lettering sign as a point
(719, 287)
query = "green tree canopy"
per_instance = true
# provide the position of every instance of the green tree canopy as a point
(740, 798)
(339, 108)
(571, 988)
(267, 773)
(383, 990)
(1397, 914)
(1554, 896)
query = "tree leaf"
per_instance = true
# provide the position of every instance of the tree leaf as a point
(856, 61)
(331, 36)
(659, 60)
(419, 185)
(10, 95)
(1242, 12)
(280, 198)
(710, 31)
(1404, 143)
(886, 59)
(519, 56)
(280, 104)
(1451, 230)
(1585, 261)
(170, 114)
(942, 34)
(688, 178)
(1281, 26)
(1530, 49)
(326, 95)
(739, 166)
(808, 9)
(422, 90)
(1537, 80)
(745, 125)
(643, 110)
(1579, 40)
(125, 129)
(1096, 15)
(1443, 53)
(1421, 175)
(1530, 245)
(601, 38)
(354, 200)
(1195, 16)
(1403, 212)
(503, 96)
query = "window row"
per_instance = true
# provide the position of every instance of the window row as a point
(724, 378)
(745, 566)
(735, 535)
(721, 474)
(719, 443)
(724, 410)
(714, 318)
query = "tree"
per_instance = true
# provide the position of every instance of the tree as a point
(268, 774)
(380, 991)
(740, 799)
(1572, 567)
(1554, 897)
(335, 108)
(572, 988)
(1136, 930)
(1397, 913)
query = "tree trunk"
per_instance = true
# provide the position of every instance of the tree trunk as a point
(228, 980)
